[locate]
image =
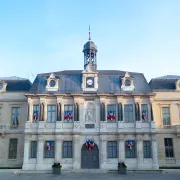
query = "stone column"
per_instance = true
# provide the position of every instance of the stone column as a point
(154, 153)
(139, 152)
(58, 149)
(103, 152)
(40, 152)
(30, 111)
(26, 153)
(121, 148)
(76, 152)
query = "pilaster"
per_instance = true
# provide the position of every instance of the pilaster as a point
(154, 153)
(103, 154)
(40, 150)
(26, 153)
(58, 148)
(76, 152)
(121, 148)
(139, 141)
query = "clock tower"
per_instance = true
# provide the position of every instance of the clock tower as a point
(90, 74)
(90, 53)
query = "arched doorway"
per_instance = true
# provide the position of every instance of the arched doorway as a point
(89, 158)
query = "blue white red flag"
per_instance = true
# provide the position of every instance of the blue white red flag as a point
(68, 115)
(35, 115)
(111, 115)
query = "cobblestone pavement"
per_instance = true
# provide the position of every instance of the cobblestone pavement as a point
(89, 176)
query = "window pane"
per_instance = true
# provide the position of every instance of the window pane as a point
(67, 149)
(51, 114)
(68, 113)
(33, 149)
(166, 115)
(130, 153)
(13, 148)
(112, 149)
(35, 113)
(128, 113)
(144, 114)
(168, 142)
(15, 116)
(49, 149)
(111, 113)
(147, 149)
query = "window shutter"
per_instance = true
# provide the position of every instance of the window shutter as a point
(137, 112)
(152, 115)
(42, 111)
(120, 112)
(28, 112)
(102, 112)
(75, 112)
(77, 109)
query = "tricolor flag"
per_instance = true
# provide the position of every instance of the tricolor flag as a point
(35, 115)
(144, 115)
(68, 115)
(111, 115)
(130, 144)
(48, 146)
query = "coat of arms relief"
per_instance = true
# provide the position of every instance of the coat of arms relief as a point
(90, 113)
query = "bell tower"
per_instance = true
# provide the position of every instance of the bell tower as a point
(90, 53)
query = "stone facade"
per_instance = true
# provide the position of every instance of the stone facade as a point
(12, 126)
(171, 100)
(76, 131)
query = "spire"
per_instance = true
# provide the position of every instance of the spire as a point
(89, 33)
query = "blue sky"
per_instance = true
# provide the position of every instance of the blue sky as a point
(39, 36)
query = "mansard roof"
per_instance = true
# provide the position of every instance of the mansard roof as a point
(16, 84)
(109, 81)
(164, 82)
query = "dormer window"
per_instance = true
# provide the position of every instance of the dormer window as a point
(127, 82)
(177, 85)
(52, 83)
(3, 86)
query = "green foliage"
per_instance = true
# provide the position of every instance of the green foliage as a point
(56, 165)
(121, 165)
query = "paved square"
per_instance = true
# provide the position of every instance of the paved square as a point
(89, 176)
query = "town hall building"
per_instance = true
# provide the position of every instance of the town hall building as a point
(90, 119)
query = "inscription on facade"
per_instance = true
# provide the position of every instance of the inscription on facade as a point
(89, 126)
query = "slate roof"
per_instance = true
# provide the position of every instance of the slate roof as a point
(16, 84)
(164, 82)
(109, 81)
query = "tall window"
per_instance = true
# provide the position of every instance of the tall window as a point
(128, 113)
(168, 142)
(68, 113)
(147, 149)
(130, 149)
(0, 112)
(13, 148)
(144, 110)
(67, 149)
(111, 113)
(15, 116)
(49, 149)
(33, 149)
(51, 114)
(112, 149)
(36, 114)
(166, 115)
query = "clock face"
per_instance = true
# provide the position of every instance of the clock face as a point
(127, 82)
(90, 82)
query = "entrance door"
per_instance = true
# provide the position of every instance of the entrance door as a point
(90, 158)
